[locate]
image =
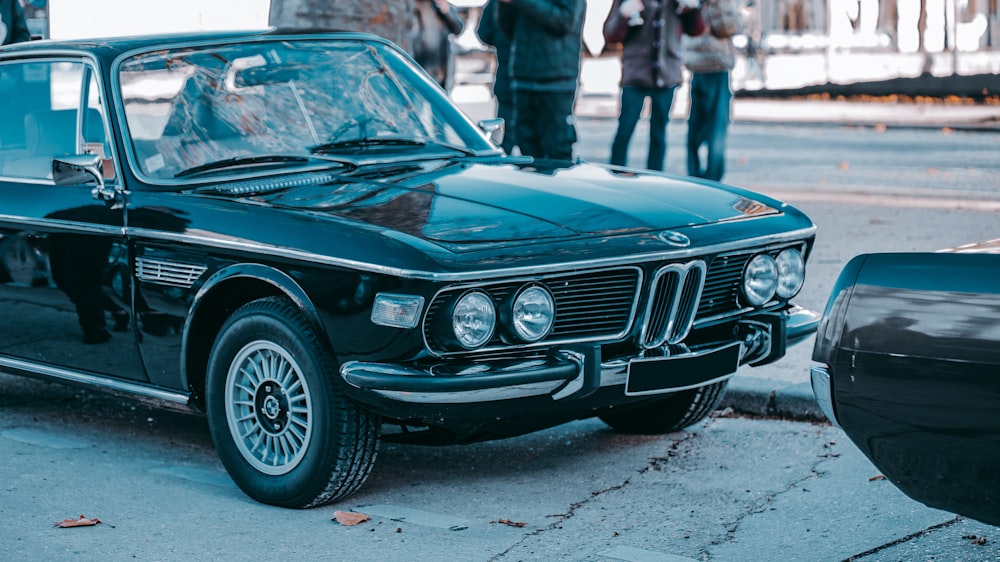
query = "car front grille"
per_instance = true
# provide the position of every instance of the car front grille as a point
(602, 305)
(596, 305)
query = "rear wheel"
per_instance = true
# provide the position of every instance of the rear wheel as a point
(283, 429)
(670, 413)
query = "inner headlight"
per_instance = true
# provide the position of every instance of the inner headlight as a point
(760, 279)
(791, 273)
(532, 313)
(473, 319)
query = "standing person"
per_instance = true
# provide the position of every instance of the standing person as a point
(435, 21)
(650, 33)
(546, 41)
(489, 33)
(710, 57)
(13, 25)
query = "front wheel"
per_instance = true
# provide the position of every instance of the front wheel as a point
(670, 413)
(284, 431)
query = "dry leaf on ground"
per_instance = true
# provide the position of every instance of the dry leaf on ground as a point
(879, 477)
(349, 518)
(510, 523)
(81, 522)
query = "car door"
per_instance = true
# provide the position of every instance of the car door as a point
(65, 303)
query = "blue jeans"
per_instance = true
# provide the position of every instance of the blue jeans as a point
(631, 108)
(708, 123)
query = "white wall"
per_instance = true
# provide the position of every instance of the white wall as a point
(77, 19)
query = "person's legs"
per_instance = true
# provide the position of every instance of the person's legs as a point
(719, 125)
(526, 123)
(557, 132)
(661, 99)
(698, 123)
(631, 107)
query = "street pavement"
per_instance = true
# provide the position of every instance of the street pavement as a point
(782, 389)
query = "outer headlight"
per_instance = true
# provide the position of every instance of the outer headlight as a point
(760, 279)
(791, 273)
(533, 313)
(473, 319)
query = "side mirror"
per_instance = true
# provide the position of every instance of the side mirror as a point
(82, 168)
(494, 128)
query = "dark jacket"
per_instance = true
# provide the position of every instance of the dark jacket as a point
(546, 41)
(12, 17)
(643, 64)
(489, 32)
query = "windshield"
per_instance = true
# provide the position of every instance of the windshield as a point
(283, 103)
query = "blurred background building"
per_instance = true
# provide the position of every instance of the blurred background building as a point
(786, 44)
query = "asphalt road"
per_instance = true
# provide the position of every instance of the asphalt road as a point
(731, 488)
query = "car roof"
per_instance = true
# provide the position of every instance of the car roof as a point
(117, 45)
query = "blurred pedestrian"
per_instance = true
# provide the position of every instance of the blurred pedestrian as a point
(650, 33)
(489, 32)
(546, 43)
(710, 58)
(434, 23)
(13, 25)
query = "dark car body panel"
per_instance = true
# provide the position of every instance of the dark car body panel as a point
(915, 372)
(169, 258)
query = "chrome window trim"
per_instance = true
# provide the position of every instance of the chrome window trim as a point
(489, 274)
(87, 60)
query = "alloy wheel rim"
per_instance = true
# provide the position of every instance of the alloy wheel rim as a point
(268, 407)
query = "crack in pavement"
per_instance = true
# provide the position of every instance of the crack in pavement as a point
(760, 506)
(907, 538)
(653, 463)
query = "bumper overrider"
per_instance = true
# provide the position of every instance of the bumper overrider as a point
(576, 371)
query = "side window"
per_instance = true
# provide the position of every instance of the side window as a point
(43, 118)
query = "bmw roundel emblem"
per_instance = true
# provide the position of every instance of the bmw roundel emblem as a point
(675, 239)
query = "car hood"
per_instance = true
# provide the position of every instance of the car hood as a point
(460, 203)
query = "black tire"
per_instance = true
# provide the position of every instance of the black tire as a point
(671, 413)
(265, 359)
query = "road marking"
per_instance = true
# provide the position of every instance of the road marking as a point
(201, 475)
(44, 439)
(883, 200)
(631, 554)
(415, 516)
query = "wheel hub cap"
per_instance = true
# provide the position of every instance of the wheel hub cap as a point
(269, 407)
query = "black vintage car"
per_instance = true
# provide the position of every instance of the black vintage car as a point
(302, 237)
(909, 367)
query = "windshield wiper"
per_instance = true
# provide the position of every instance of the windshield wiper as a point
(241, 162)
(370, 142)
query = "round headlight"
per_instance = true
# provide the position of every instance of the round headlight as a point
(760, 279)
(473, 319)
(532, 314)
(791, 273)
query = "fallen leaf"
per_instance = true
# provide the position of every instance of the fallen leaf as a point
(510, 523)
(81, 522)
(975, 539)
(879, 477)
(349, 518)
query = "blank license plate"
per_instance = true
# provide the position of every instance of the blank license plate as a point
(657, 375)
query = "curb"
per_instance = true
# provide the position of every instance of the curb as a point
(766, 397)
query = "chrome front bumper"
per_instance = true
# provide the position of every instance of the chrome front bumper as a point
(577, 371)
(823, 391)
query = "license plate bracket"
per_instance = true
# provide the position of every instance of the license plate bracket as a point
(658, 375)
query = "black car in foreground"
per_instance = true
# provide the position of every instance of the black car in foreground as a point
(909, 367)
(302, 237)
